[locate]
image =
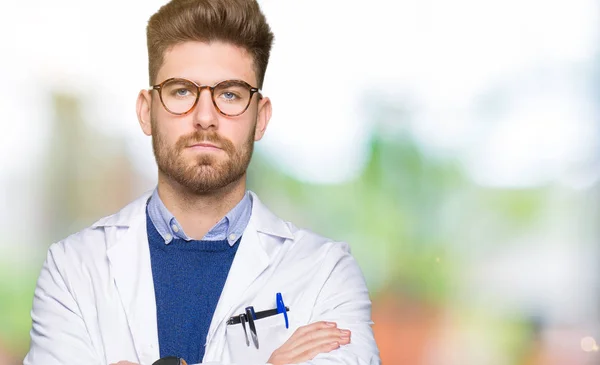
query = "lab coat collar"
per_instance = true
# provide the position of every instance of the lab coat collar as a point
(264, 220)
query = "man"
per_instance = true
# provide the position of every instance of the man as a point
(199, 268)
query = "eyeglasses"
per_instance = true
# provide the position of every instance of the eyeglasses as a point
(230, 97)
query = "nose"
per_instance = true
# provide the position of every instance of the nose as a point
(205, 114)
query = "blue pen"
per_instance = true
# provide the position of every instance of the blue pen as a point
(281, 309)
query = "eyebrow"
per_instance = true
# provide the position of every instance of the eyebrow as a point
(226, 81)
(213, 84)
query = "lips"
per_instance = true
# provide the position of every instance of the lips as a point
(204, 144)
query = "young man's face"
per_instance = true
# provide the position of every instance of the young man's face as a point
(204, 151)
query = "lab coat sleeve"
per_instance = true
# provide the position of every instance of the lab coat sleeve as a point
(58, 335)
(344, 299)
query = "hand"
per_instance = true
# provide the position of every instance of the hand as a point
(124, 363)
(309, 341)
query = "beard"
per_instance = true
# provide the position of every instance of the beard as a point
(206, 172)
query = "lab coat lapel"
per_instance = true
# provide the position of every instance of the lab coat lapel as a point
(129, 258)
(250, 261)
(260, 243)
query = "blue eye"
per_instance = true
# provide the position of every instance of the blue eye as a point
(229, 95)
(181, 92)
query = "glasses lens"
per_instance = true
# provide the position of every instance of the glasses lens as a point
(179, 96)
(232, 97)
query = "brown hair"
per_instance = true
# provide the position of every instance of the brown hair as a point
(238, 22)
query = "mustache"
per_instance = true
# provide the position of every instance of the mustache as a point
(202, 136)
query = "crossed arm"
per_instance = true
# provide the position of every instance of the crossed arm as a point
(306, 342)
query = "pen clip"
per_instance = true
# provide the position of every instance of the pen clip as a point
(251, 316)
(281, 309)
(243, 322)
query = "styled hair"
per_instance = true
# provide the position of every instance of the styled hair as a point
(237, 22)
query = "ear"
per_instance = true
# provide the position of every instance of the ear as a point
(144, 113)
(263, 118)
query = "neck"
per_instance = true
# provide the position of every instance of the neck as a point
(198, 213)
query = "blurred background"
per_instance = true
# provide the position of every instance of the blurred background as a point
(454, 144)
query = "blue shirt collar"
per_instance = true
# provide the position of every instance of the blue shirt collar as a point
(230, 228)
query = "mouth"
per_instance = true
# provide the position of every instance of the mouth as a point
(204, 145)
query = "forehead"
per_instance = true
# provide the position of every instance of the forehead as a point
(207, 63)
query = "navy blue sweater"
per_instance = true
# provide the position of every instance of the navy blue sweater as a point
(188, 280)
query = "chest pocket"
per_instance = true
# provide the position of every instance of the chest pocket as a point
(271, 334)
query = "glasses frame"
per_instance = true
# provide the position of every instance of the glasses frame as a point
(253, 90)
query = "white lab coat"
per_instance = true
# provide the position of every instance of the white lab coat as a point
(94, 302)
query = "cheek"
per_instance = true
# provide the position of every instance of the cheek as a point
(241, 137)
(168, 129)
(244, 130)
(167, 136)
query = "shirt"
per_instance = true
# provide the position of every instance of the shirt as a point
(229, 228)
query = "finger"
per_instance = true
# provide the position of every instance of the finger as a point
(315, 326)
(323, 348)
(297, 336)
(345, 337)
(319, 339)
(310, 353)
(319, 335)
